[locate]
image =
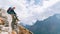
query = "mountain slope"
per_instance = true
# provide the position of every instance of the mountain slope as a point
(50, 25)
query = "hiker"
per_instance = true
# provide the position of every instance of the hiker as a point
(14, 17)
(12, 12)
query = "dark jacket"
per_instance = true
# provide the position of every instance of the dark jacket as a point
(11, 11)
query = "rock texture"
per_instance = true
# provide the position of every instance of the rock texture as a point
(7, 22)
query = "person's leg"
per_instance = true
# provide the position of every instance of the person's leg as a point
(16, 17)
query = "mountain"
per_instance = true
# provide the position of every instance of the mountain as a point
(50, 25)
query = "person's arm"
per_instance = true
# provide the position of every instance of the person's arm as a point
(13, 12)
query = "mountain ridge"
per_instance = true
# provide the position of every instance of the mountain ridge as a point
(50, 25)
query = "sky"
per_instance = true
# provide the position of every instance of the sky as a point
(29, 11)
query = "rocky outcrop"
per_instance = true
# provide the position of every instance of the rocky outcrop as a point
(7, 24)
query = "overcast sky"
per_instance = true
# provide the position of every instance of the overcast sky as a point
(29, 11)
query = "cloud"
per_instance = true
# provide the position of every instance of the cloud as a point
(29, 11)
